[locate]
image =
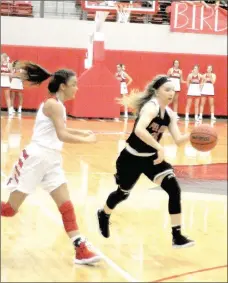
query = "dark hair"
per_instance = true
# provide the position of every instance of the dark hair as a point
(14, 63)
(121, 65)
(136, 99)
(36, 74)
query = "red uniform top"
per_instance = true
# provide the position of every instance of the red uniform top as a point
(208, 79)
(121, 77)
(195, 79)
(176, 74)
(5, 68)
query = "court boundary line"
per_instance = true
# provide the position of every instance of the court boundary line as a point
(189, 273)
(111, 263)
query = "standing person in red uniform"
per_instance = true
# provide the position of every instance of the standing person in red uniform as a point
(5, 80)
(41, 161)
(208, 81)
(125, 81)
(176, 76)
(194, 91)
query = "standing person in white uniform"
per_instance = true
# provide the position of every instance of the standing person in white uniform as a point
(176, 76)
(41, 162)
(125, 81)
(16, 86)
(5, 80)
(194, 91)
(208, 81)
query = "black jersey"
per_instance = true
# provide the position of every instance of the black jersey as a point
(156, 128)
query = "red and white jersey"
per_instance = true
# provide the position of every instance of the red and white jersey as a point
(5, 68)
(208, 78)
(176, 73)
(121, 76)
(195, 79)
(44, 133)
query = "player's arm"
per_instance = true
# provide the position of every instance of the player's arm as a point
(130, 80)
(175, 132)
(213, 78)
(181, 77)
(79, 132)
(188, 80)
(54, 111)
(149, 112)
(169, 72)
(203, 79)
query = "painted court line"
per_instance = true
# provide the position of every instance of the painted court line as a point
(189, 273)
(111, 263)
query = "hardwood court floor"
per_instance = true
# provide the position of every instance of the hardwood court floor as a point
(34, 247)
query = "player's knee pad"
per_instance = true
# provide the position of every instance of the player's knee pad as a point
(68, 216)
(7, 210)
(116, 197)
(171, 186)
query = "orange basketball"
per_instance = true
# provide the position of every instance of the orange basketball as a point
(203, 137)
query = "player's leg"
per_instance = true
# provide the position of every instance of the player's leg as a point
(54, 182)
(20, 95)
(202, 104)
(162, 174)
(212, 107)
(12, 98)
(25, 176)
(84, 255)
(128, 171)
(187, 109)
(197, 100)
(8, 101)
(11, 207)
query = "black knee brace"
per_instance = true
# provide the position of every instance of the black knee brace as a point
(171, 186)
(116, 197)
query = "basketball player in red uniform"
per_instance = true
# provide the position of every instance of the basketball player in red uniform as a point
(5, 80)
(144, 154)
(125, 81)
(176, 75)
(16, 86)
(208, 81)
(41, 162)
(194, 91)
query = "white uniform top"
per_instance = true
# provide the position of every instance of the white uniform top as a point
(44, 133)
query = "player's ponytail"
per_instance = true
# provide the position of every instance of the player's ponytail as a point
(137, 99)
(33, 73)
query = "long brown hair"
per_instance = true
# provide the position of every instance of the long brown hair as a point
(35, 75)
(136, 100)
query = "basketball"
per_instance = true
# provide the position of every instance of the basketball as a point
(203, 138)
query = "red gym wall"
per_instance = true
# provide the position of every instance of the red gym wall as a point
(142, 66)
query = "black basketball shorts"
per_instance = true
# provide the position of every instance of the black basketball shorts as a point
(129, 168)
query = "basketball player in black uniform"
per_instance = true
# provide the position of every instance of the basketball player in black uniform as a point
(144, 154)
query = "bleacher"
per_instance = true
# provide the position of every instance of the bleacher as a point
(16, 8)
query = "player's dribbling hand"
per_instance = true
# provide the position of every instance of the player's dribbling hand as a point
(91, 138)
(161, 156)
